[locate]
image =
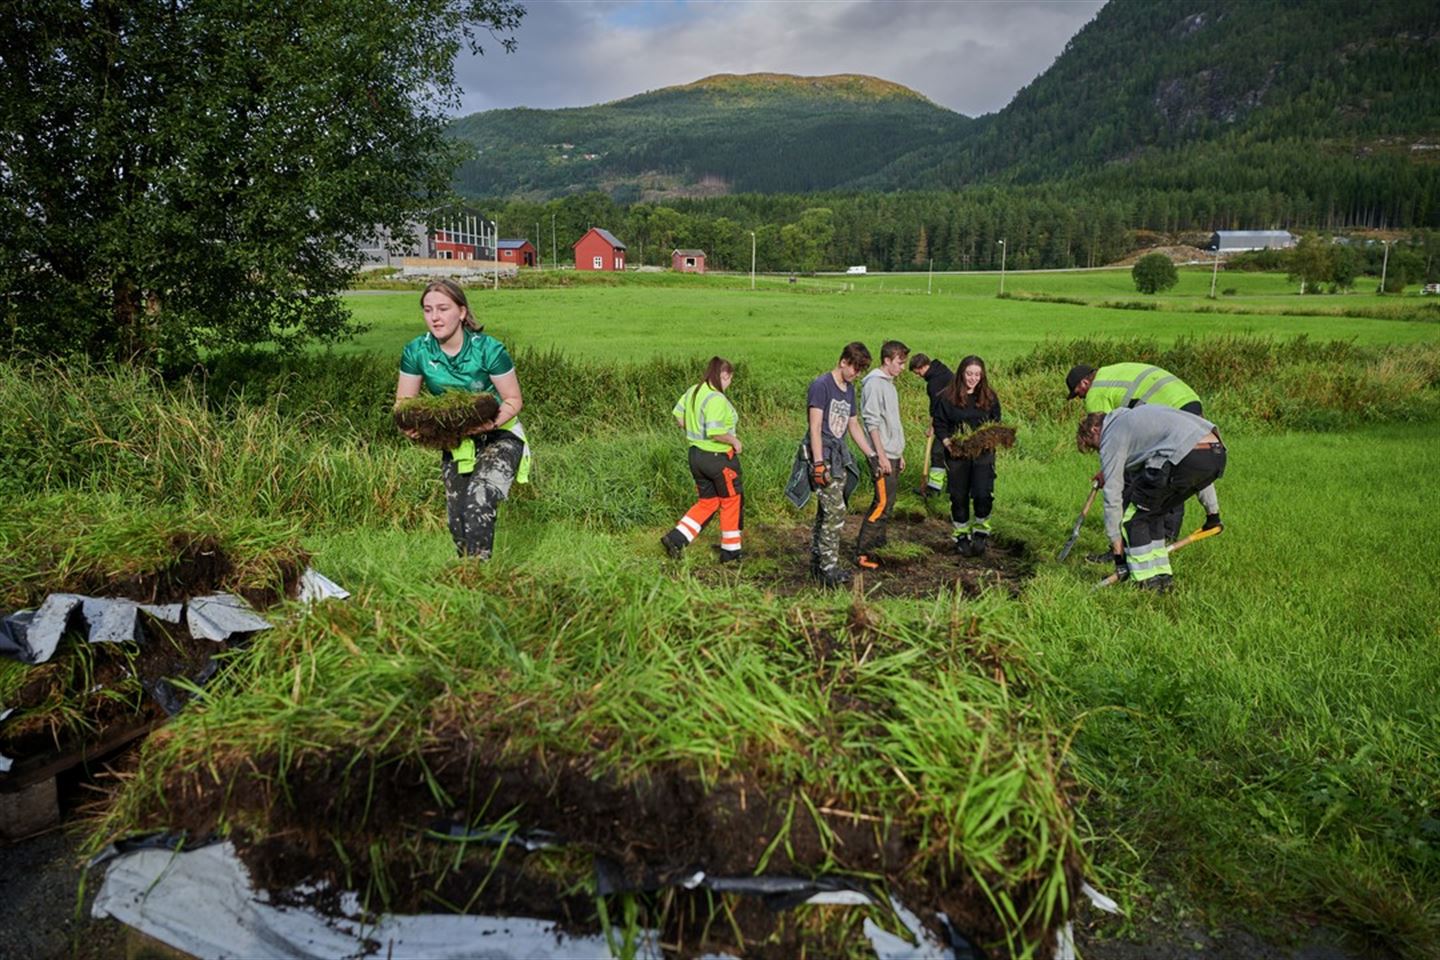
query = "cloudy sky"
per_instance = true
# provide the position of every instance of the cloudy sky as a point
(969, 55)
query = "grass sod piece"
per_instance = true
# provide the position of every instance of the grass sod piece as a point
(983, 440)
(611, 712)
(99, 546)
(442, 422)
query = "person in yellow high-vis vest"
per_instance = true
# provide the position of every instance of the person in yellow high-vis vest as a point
(709, 420)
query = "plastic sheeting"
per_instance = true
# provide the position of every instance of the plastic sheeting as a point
(200, 901)
(219, 616)
(315, 586)
(33, 636)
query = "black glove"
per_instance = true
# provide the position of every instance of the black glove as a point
(1122, 569)
(819, 475)
(1212, 520)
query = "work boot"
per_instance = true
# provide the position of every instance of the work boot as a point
(674, 543)
(962, 546)
(731, 556)
(978, 543)
(1160, 583)
(833, 577)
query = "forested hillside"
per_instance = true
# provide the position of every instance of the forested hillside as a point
(1176, 117)
(765, 133)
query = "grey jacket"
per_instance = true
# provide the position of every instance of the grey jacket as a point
(880, 410)
(1146, 436)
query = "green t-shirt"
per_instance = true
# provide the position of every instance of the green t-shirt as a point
(481, 358)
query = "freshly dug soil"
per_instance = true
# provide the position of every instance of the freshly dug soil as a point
(778, 560)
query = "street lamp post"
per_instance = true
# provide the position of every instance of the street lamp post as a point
(1384, 266)
(1215, 273)
(752, 259)
(1002, 268)
(553, 264)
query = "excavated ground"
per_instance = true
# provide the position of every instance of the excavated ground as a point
(919, 561)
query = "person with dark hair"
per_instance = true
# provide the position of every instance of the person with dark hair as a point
(966, 405)
(831, 413)
(709, 420)
(880, 410)
(1153, 458)
(456, 354)
(937, 377)
(1118, 385)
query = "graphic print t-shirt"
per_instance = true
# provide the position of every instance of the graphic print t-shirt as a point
(836, 405)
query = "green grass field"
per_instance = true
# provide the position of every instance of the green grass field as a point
(1257, 748)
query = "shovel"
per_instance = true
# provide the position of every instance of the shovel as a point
(1079, 521)
(1195, 537)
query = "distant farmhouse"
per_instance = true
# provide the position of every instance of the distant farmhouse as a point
(522, 253)
(599, 250)
(688, 261)
(462, 247)
(1235, 241)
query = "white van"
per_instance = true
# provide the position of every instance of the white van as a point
(859, 269)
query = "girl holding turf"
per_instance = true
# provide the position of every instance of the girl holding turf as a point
(456, 354)
(961, 408)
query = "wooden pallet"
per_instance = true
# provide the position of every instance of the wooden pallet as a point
(29, 800)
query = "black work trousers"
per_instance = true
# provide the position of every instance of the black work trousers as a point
(970, 480)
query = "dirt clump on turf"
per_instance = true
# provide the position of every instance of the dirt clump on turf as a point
(443, 422)
(919, 561)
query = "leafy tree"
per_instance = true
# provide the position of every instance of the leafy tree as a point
(1311, 262)
(1154, 273)
(179, 175)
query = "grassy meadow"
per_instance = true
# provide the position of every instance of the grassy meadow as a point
(1258, 747)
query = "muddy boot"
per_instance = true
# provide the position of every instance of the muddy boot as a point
(731, 556)
(978, 544)
(674, 543)
(1157, 584)
(833, 578)
(962, 546)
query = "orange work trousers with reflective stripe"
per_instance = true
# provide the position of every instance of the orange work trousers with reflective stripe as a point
(718, 486)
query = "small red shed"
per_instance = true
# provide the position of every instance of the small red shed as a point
(688, 261)
(522, 253)
(599, 250)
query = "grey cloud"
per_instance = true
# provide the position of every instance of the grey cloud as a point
(968, 56)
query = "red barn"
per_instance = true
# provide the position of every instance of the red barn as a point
(599, 250)
(688, 261)
(519, 252)
(454, 245)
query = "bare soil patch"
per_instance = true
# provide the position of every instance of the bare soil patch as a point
(919, 560)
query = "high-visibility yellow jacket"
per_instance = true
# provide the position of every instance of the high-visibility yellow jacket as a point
(706, 413)
(1127, 384)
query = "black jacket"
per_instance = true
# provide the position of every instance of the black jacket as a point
(937, 378)
(950, 419)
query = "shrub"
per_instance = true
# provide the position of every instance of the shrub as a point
(1154, 273)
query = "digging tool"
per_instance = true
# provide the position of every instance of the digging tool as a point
(925, 464)
(1079, 521)
(1195, 537)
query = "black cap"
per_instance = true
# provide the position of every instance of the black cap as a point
(1077, 373)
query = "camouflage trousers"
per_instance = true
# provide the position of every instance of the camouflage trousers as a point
(471, 499)
(829, 520)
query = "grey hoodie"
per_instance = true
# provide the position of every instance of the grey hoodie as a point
(880, 410)
(1146, 436)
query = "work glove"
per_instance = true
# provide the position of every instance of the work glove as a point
(1212, 520)
(820, 475)
(1122, 569)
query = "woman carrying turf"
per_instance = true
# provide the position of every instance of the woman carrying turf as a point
(456, 354)
(708, 418)
(964, 406)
